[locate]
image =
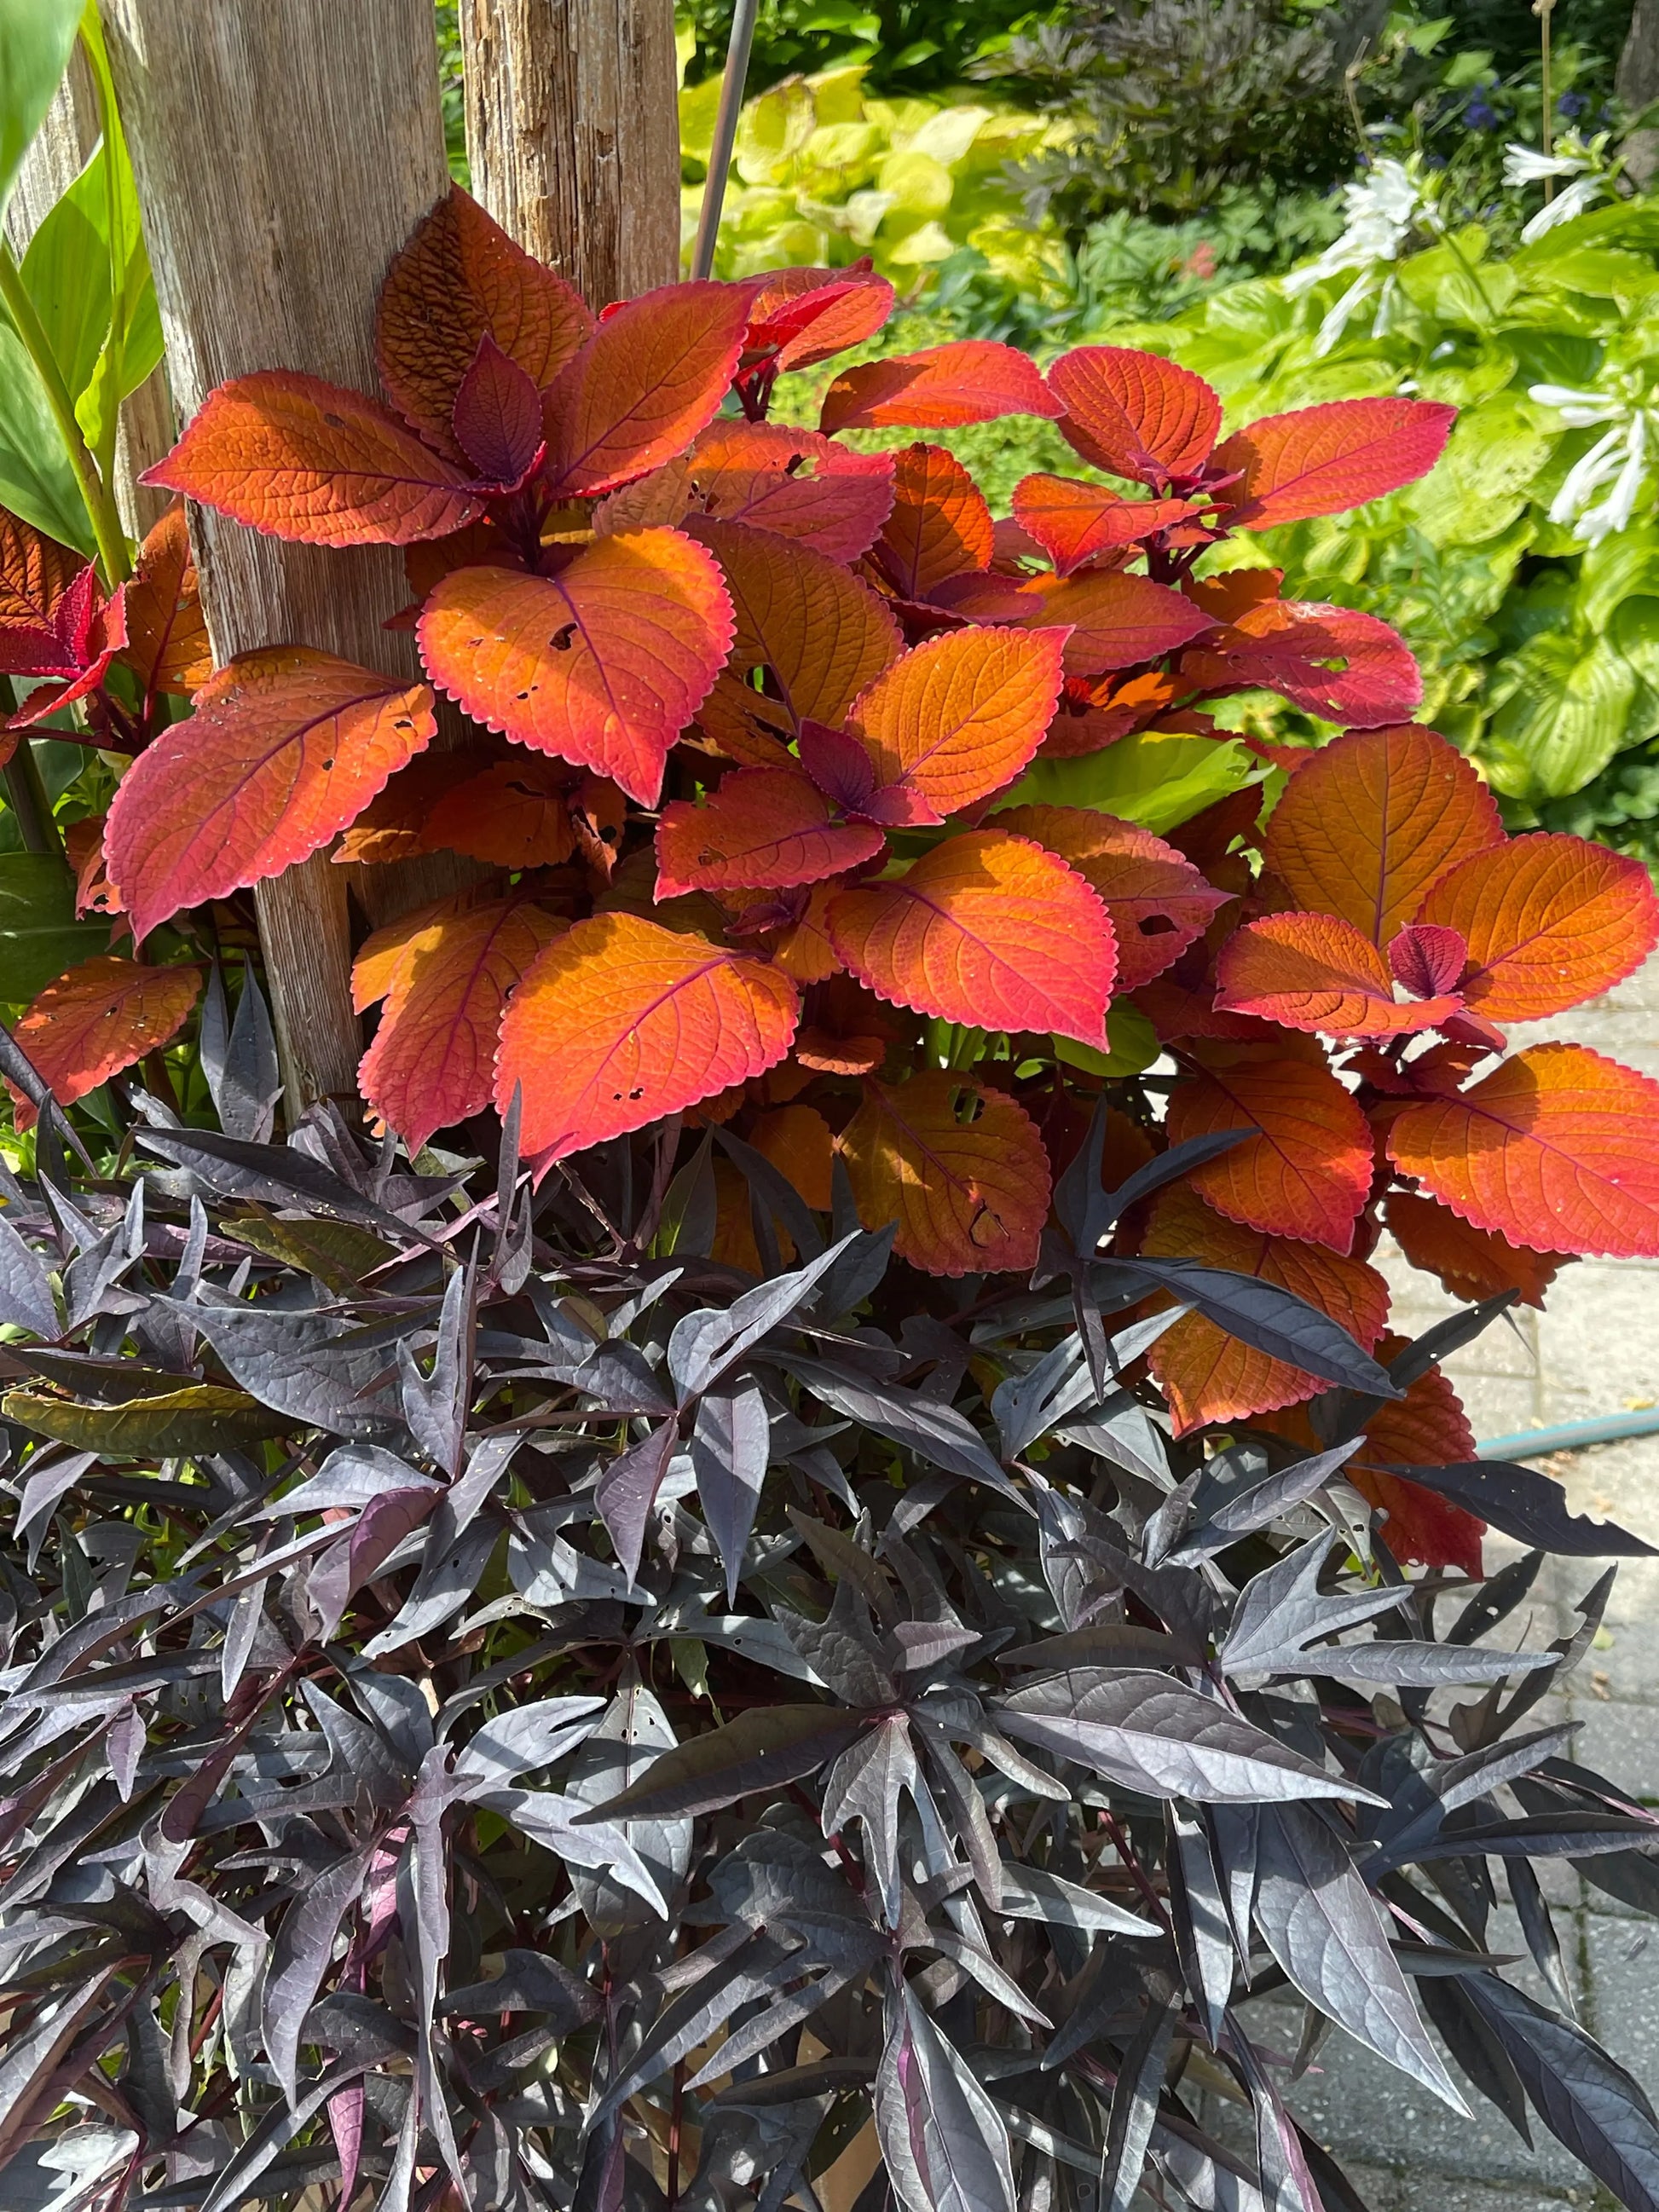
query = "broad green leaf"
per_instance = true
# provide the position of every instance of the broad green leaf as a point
(1563, 710)
(1133, 1042)
(36, 480)
(40, 936)
(1159, 778)
(36, 39)
(1489, 473)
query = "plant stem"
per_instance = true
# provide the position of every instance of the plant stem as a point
(92, 40)
(106, 529)
(1543, 9)
(24, 791)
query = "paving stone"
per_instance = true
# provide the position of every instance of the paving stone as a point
(1624, 1972)
(1618, 1738)
(1433, 2192)
(1497, 1405)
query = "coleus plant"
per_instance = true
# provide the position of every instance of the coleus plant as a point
(499, 1714)
(796, 946)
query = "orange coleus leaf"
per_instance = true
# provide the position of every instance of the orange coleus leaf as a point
(1472, 1263)
(986, 929)
(1318, 971)
(35, 572)
(958, 717)
(940, 526)
(651, 377)
(970, 380)
(797, 483)
(1074, 522)
(1319, 460)
(1307, 1171)
(1554, 1149)
(433, 1059)
(1367, 823)
(798, 1142)
(299, 458)
(167, 646)
(97, 1019)
(511, 815)
(801, 316)
(621, 1022)
(1549, 922)
(820, 634)
(1208, 1376)
(1116, 621)
(1134, 415)
(1330, 661)
(393, 825)
(285, 747)
(1427, 1427)
(763, 827)
(602, 664)
(957, 1164)
(83, 848)
(802, 948)
(1157, 901)
(459, 279)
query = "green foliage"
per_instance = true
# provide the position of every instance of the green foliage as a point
(36, 37)
(909, 45)
(825, 172)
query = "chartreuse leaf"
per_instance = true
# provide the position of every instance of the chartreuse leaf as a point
(1158, 778)
(205, 1418)
(40, 935)
(36, 480)
(36, 39)
(1563, 711)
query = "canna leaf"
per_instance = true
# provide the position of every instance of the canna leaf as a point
(298, 458)
(285, 747)
(459, 279)
(621, 1022)
(986, 929)
(1321, 460)
(97, 1019)
(602, 664)
(1552, 1150)
(1549, 921)
(970, 380)
(957, 1164)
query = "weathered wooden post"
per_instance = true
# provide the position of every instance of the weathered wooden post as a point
(573, 135)
(284, 149)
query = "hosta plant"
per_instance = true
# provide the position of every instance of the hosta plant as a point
(889, 1438)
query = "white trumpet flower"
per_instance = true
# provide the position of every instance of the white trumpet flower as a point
(1618, 458)
(1382, 207)
(1525, 165)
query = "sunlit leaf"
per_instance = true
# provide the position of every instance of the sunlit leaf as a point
(957, 1164)
(99, 1018)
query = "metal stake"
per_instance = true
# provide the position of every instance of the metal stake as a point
(726, 133)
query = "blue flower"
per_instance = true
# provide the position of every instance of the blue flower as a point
(1480, 116)
(1571, 103)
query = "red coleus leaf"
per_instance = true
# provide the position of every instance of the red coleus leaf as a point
(792, 482)
(801, 316)
(35, 572)
(1317, 971)
(1158, 902)
(1427, 1427)
(621, 1022)
(1134, 415)
(1115, 621)
(73, 650)
(167, 646)
(498, 418)
(510, 815)
(940, 526)
(1549, 921)
(970, 380)
(649, 379)
(958, 717)
(1209, 1375)
(445, 984)
(1427, 959)
(986, 929)
(285, 747)
(764, 827)
(1330, 661)
(461, 279)
(603, 663)
(820, 634)
(1076, 522)
(1368, 824)
(97, 1019)
(1307, 1171)
(1319, 460)
(1472, 1263)
(299, 458)
(959, 1166)
(1554, 1150)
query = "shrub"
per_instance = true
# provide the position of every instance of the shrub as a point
(894, 1464)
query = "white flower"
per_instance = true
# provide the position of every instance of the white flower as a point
(1615, 512)
(1576, 198)
(1525, 165)
(1619, 458)
(1382, 206)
